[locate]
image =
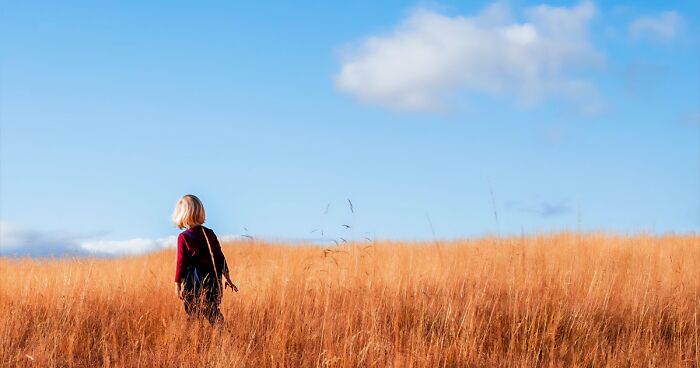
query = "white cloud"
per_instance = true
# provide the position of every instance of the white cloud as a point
(130, 246)
(19, 241)
(16, 240)
(229, 238)
(661, 27)
(430, 57)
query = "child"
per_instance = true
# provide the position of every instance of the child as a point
(200, 262)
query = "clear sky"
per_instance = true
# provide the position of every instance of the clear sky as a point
(477, 117)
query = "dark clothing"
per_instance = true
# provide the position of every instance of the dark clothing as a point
(201, 288)
(192, 251)
(201, 297)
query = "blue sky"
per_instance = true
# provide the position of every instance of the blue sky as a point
(557, 115)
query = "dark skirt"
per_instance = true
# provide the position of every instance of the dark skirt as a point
(202, 296)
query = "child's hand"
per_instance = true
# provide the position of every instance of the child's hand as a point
(230, 284)
(178, 290)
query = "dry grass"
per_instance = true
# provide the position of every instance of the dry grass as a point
(556, 300)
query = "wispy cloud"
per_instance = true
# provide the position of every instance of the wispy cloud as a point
(430, 57)
(543, 209)
(660, 27)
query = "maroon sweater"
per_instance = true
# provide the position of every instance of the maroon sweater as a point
(192, 250)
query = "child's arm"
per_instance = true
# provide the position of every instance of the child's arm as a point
(179, 269)
(221, 259)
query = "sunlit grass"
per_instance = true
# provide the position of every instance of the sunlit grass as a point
(562, 300)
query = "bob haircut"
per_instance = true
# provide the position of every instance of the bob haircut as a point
(189, 212)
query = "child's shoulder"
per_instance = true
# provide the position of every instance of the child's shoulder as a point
(196, 230)
(208, 230)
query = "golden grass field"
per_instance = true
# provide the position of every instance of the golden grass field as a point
(553, 300)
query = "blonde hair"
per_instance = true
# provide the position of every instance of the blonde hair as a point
(189, 212)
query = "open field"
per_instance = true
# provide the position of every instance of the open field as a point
(554, 300)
